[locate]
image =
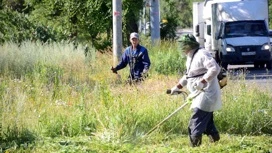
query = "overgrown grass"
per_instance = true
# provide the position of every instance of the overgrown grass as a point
(55, 99)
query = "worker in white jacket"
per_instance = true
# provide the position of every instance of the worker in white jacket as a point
(201, 76)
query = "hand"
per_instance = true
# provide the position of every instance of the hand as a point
(174, 90)
(199, 85)
(183, 81)
(144, 73)
(114, 70)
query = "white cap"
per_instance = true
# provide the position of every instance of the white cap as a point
(134, 35)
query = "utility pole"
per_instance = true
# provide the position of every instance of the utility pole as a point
(155, 20)
(117, 30)
(144, 22)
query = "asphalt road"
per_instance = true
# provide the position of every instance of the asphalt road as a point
(260, 76)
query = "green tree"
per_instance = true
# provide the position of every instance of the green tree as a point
(178, 14)
(14, 27)
(131, 15)
(85, 20)
(16, 5)
(170, 14)
(270, 13)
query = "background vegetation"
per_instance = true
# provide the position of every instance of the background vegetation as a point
(54, 98)
(59, 95)
(87, 22)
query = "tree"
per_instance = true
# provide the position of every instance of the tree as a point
(85, 20)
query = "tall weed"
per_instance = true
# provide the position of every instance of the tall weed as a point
(56, 91)
(246, 109)
(167, 59)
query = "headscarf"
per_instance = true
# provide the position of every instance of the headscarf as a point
(188, 42)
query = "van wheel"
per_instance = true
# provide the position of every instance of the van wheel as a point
(224, 65)
(217, 59)
(262, 65)
(258, 65)
(220, 61)
(268, 65)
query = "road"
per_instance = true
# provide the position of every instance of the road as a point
(260, 76)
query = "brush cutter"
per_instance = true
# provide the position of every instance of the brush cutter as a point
(188, 101)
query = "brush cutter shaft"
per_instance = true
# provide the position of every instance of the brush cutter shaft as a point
(191, 96)
(178, 109)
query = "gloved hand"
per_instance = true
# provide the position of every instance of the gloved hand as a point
(114, 70)
(198, 85)
(174, 90)
(144, 73)
(183, 81)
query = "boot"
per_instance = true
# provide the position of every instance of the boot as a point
(214, 137)
(195, 141)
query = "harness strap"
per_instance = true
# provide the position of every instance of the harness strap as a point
(134, 58)
(187, 77)
(192, 60)
(198, 75)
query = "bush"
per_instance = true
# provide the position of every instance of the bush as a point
(167, 60)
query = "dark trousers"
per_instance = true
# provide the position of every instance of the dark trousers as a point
(200, 123)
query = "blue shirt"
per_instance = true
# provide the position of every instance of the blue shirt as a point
(138, 60)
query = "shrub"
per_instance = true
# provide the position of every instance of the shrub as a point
(166, 59)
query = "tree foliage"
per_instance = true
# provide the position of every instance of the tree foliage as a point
(85, 21)
(131, 15)
(14, 27)
(75, 21)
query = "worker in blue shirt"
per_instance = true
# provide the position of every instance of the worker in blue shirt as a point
(137, 58)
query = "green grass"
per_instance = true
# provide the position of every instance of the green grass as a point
(156, 143)
(54, 99)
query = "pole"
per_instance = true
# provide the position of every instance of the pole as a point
(117, 30)
(144, 22)
(155, 21)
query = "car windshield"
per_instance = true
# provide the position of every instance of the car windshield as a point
(245, 28)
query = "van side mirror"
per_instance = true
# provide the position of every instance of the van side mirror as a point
(209, 29)
(217, 36)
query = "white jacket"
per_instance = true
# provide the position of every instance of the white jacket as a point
(208, 100)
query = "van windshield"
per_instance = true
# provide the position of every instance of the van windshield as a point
(245, 28)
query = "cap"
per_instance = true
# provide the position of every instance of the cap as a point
(134, 35)
(188, 41)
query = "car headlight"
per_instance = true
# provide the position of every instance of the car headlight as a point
(230, 49)
(266, 47)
